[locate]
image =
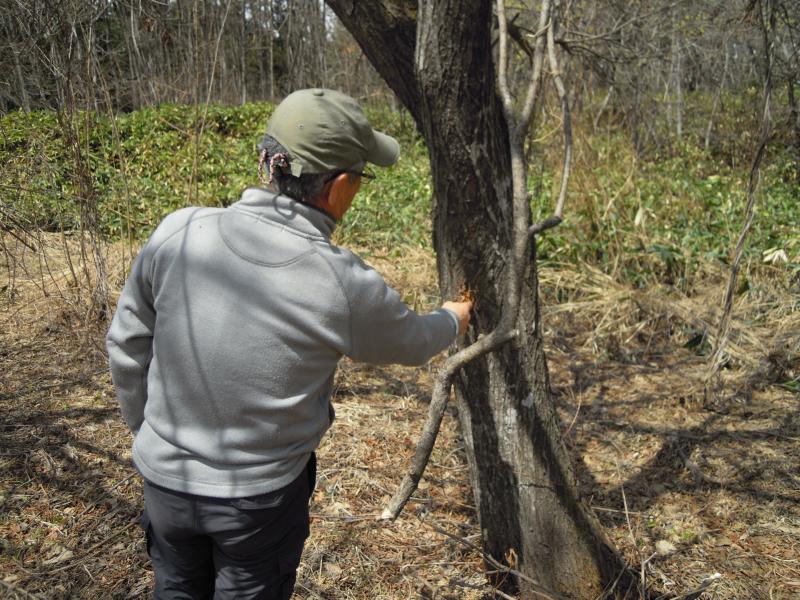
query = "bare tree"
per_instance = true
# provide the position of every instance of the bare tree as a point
(149, 51)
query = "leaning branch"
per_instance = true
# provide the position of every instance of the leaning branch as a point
(441, 393)
(768, 29)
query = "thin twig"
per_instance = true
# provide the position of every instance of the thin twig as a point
(193, 180)
(19, 591)
(538, 588)
(104, 495)
(482, 588)
(575, 417)
(643, 575)
(715, 362)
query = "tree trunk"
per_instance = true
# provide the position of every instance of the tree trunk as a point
(243, 50)
(437, 57)
(795, 115)
(271, 33)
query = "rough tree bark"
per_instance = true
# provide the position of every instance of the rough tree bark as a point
(437, 57)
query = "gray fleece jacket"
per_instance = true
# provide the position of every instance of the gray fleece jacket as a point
(227, 335)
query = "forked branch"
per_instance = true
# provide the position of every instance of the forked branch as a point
(441, 393)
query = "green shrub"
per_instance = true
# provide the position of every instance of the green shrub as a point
(642, 220)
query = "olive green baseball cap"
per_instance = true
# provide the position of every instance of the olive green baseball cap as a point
(325, 130)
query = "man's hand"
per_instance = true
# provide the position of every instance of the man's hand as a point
(462, 312)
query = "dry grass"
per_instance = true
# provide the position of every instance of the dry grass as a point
(720, 484)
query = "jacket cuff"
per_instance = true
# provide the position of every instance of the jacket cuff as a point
(453, 318)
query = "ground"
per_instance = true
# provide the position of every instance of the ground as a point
(685, 488)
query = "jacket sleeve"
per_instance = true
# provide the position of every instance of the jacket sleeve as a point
(130, 341)
(383, 329)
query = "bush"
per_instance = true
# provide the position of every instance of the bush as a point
(641, 220)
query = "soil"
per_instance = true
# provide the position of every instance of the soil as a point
(685, 488)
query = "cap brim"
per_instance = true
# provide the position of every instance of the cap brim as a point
(386, 151)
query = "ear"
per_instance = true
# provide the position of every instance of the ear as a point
(339, 194)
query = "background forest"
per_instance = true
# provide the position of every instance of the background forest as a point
(114, 113)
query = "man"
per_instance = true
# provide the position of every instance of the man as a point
(224, 346)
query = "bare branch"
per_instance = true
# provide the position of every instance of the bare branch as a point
(544, 225)
(768, 30)
(441, 393)
(562, 93)
(502, 66)
(18, 225)
(622, 23)
(17, 237)
(538, 58)
(518, 35)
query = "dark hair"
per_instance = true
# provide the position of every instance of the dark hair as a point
(304, 188)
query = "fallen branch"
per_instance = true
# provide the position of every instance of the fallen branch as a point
(12, 589)
(482, 588)
(698, 591)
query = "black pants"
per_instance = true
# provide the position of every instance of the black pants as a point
(244, 548)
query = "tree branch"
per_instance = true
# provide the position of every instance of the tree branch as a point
(562, 93)
(372, 24)
(768, 30)
(502, 62)
(544, 225)
(538, 58)
(441, 393)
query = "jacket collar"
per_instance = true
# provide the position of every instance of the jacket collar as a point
(286, 211)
